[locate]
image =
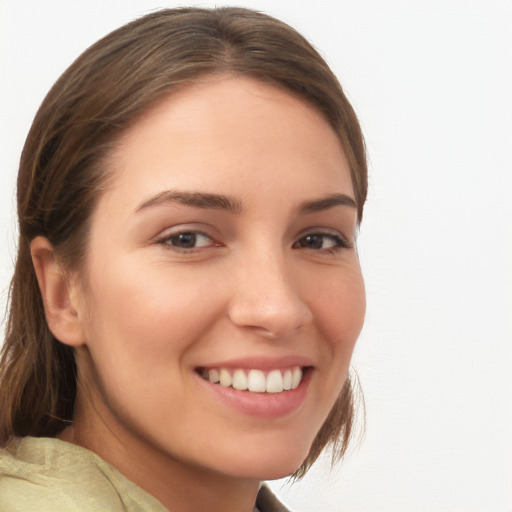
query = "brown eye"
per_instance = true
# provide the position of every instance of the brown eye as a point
(318, 241)
(188, 240)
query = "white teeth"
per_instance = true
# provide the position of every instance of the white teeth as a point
(225, 378)
(287, 380)
(296, 377)
(256, 381)
(213, 375)
(239, 380)
(274, 382)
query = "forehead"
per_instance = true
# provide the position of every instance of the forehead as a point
(234, 132)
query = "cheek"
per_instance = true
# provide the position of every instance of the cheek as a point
(142, 330)
(339, 308)
(146, 317)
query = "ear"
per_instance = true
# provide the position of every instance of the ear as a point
(59, 292)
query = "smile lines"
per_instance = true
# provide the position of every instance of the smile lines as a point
(255, 381)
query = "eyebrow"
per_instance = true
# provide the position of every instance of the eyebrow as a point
(196, 199)
(222, 202)
(325, 203)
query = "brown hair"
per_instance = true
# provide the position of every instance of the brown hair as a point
(61, 175)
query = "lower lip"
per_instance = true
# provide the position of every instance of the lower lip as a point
(263, 405)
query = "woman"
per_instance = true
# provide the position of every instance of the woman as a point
(187, 291)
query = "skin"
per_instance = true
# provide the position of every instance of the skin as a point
(144, 313)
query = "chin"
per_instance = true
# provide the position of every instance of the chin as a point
(280, 472)
(268, 464)
(271, 471)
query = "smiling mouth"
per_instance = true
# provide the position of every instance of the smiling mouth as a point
(254, 380)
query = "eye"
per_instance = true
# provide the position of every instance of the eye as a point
(321, 241)
(188, 240)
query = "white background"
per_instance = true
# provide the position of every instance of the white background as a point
(432, 84)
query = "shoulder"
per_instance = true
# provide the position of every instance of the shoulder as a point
(48, 475)
(267, 502)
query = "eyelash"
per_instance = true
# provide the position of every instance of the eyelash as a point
(338, 241)
(167, 240)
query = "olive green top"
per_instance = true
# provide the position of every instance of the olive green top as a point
(49, 475)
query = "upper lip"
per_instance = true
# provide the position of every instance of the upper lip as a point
(264, 363)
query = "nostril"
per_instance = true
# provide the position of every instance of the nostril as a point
(270, 319)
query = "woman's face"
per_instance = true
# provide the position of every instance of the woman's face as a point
(222, 249)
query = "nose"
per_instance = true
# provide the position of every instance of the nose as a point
(267, 298)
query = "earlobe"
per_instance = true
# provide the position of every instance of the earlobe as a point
(57, 290)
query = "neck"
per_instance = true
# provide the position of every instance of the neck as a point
(179, 486)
